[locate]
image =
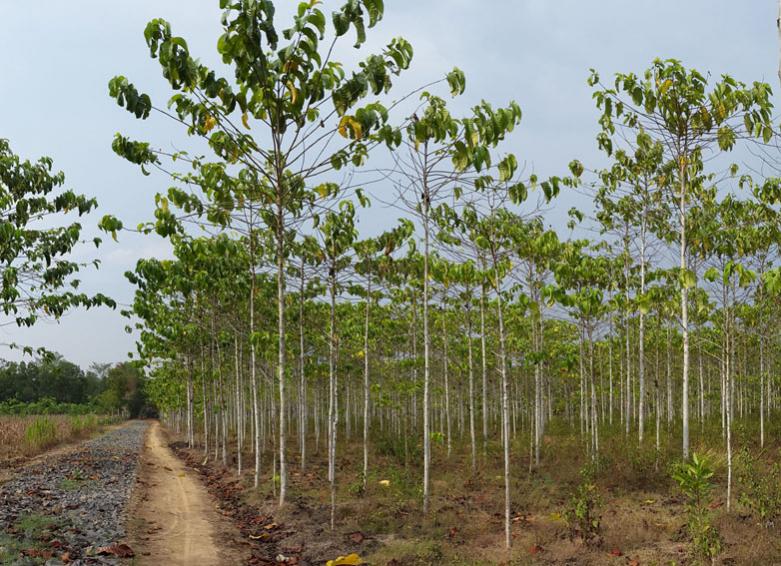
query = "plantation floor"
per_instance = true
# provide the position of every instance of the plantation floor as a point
(641, 511)
(173, 520)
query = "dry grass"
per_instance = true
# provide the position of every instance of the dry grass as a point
(24, 436)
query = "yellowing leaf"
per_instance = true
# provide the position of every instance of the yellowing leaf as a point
(245, 120)
(349, 560)
(348, 122)
(385, 483)
(293, 92)
(209, 123)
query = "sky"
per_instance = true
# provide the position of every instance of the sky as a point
(56, 59)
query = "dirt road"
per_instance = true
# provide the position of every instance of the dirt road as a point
(173, 520)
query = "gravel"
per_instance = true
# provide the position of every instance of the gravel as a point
(70, 507)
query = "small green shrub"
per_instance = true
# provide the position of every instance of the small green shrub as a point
(401, 449)
(760, 488)
(581, 514)
(694, 479)
(40, 434)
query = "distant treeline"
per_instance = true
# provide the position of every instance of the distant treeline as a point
(56, 386)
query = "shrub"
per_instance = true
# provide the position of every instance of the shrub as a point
(581, 515)
(694, 479)
(403, 450)
(760, 488)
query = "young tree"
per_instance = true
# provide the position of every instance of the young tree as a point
(289, 116)
(676, 107)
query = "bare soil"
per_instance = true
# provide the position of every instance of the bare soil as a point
(173, 519)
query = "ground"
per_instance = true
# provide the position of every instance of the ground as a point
(173, 519)
(75, 503)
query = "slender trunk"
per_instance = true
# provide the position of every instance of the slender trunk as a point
(281, 361)
(505, 413)
(366, 382)
(484, 362)
(446, 376)
(471, 376)
(332, 394)
(426, 353)
(239, 405)
(190, 403)
(684, 319)
(253, 362)
(641, 337)
(302, 412)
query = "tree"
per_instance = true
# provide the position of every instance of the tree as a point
(37, 274)
(278, 122)
(676, 108)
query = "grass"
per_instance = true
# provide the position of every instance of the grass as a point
(24, 436)
(40, 434)
(33, 531)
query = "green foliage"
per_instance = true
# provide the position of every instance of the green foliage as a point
(37, 276)
(582, 514)
(760, 485)
(402, 449)
(694, 480)
(45, 406)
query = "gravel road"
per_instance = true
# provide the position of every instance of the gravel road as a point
(70, 507)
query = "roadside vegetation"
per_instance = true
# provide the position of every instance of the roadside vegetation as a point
(51, 401)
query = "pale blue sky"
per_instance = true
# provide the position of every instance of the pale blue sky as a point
(56, 59)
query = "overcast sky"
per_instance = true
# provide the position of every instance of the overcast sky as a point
(57, 57)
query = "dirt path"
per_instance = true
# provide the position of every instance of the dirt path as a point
(174, 521)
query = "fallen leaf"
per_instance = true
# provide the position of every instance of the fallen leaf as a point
(357, 537)
(119, 550)
(536, 549)
(616, 552)
(384, 483)
(349, 560)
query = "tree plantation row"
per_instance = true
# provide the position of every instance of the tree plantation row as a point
(470, 325)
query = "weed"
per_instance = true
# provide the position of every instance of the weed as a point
(581, 514)
(761, 493)
(36, 527)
